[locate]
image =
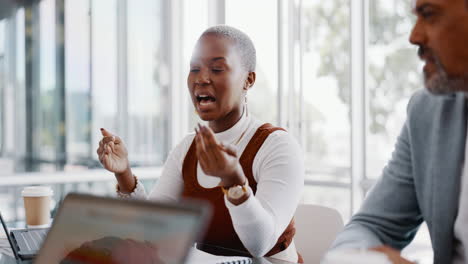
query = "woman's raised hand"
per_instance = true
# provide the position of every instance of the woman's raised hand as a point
(217, 159)
(112, 153)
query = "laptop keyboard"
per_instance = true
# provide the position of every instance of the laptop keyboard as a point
(31, 240)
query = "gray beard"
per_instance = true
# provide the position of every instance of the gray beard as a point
(441, 83)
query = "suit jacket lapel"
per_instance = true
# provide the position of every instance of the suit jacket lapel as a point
(448, 155)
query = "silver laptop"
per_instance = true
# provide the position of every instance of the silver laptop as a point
(24, 242)
(91, 229)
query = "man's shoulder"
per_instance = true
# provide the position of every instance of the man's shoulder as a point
(423, 102)
(422, 97)
(426, 112)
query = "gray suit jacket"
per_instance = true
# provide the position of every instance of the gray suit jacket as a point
(420, 183)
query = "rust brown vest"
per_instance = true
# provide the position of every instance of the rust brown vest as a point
(221, 233)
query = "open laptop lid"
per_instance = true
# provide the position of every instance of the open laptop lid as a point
(10, 240)
(91, 229)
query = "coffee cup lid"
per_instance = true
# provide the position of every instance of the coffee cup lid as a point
(37, 191)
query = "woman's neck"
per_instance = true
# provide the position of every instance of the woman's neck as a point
(226, 122)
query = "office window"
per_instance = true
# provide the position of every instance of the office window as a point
(263, 30)
(2, 82)
(19, 51)
(104, 68)
(195, 22)
(326, 101)
(394, 74)
(47, 120)
(17, 144)
(148, 83)
(336, 198)
(5, 96)
(78, 87)
(2, 37)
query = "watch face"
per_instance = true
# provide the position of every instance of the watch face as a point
(235, 192)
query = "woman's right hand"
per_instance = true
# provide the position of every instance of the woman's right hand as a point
(112, 153)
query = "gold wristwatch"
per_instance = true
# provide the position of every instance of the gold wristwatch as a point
(237, 191)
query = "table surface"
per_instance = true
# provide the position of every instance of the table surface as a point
(9, 259)
(6, 259)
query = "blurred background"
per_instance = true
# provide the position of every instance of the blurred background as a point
(337, 74)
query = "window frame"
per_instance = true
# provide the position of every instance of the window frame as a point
(290, 88)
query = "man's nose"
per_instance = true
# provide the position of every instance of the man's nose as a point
(418, 34)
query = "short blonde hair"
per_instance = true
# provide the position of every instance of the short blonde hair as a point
(242, 42)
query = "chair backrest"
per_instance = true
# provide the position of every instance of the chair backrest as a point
(316, 229)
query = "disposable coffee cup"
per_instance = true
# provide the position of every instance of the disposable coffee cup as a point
(37, 201)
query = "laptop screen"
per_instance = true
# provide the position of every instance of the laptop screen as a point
(89, 229)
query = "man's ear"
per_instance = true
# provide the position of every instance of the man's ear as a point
(250, 80)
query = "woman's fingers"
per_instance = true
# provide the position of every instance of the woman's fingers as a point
(199, 139)
(112, 146)
(117, 140)
(202, 147)
(106, 140)
(212, 148)
(203, 158)
(99, 151)
(201, 150)
(111, 151)
(214, 158)
(106, 133)
(205, 165)
(108, 149)
(208, 135)
(104, 143)
(231, 150)
(104, 160)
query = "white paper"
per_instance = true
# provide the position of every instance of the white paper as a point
(5, 246)
(354, 256)
(200, 257)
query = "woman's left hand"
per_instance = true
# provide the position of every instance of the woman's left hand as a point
(217, 159)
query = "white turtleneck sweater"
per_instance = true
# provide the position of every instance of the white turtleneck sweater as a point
(278, 169)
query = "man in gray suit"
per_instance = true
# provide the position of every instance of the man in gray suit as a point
(427, 176)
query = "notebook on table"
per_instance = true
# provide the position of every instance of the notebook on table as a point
(25, 243)
(5, 247)
(91, 229)
(200, 257)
